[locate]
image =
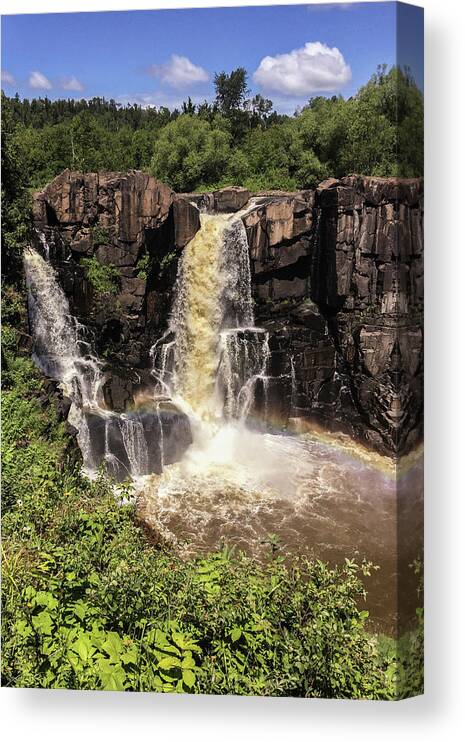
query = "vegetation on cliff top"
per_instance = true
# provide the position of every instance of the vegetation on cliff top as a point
(235, 139)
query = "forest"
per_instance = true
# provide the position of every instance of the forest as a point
(234, 139)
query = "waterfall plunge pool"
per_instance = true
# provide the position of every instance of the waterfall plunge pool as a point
(321, 497)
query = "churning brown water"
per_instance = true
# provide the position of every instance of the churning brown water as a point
(321, 496)
(330, 500)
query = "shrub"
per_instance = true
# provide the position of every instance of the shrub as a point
(100, 236)
(103, 278)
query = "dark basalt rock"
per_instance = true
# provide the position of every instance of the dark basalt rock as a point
(232, 198)
(337, 279)
(117, 219)
(361, 294)
(124, 390)
(166, 433)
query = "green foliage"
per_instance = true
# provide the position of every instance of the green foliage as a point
(16, 203)
(167, 260)
(103, 278)
(100, 236)
(231, 90)
(238, 140)
(143, 266)
(190, 151)
(88, 602)
(385, 127)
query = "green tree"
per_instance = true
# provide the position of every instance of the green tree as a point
(191, 152)
(16, 221)
(231, 90)
(385, 127)
(259, 109)
(89, 142)
(231, 100)
(279, 158)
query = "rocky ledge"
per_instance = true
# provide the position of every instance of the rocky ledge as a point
(337, 278)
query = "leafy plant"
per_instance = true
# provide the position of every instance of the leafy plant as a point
(88, 602)
(100, 236)
(143, 266)
(104, 278)
(167, 260)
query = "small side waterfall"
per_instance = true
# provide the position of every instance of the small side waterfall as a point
(57, 335)
(243, 361)
(58, 345)
(212, 354)
(130, 444)
(135, 445)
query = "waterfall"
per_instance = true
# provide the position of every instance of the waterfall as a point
(130, 444)
(210, 363)
(217, 354)
(243, 361)
(135, 445)
(161, 437)
(197, 317)
(56, 334)
(57, 341)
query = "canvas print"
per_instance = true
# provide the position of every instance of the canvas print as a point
(212, 240)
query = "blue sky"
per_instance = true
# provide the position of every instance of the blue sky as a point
(160, 57)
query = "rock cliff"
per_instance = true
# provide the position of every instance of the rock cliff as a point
(337, 278)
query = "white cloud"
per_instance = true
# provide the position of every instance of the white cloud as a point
(38, 81)
(179, 72)
(313, 68)
(71, 83)
(7, 78)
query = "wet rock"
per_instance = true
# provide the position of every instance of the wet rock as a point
(376, 346)
(138, 443)
(337, 278)
(307, 313)
(123, 390)
(186, 221)
(232, 198)
(361, 370)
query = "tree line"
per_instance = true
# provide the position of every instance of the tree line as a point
(234, 139)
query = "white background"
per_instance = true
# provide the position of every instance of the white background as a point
(57, 715)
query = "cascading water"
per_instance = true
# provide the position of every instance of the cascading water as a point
(234, 483)
(130, 445)
(217, 354)
(58, 343)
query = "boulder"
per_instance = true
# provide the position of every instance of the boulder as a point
(307, 313)
(232, 198)
(186, 221)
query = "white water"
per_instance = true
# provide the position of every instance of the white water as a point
(57, 340)
(212, 354)
(209, 362)
(233, 483)
(62, 352)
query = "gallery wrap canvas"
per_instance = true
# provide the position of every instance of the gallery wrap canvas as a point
(212, 344)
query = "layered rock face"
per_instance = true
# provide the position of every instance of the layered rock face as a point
(131, 228)
(337, 277)
(339, 284)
